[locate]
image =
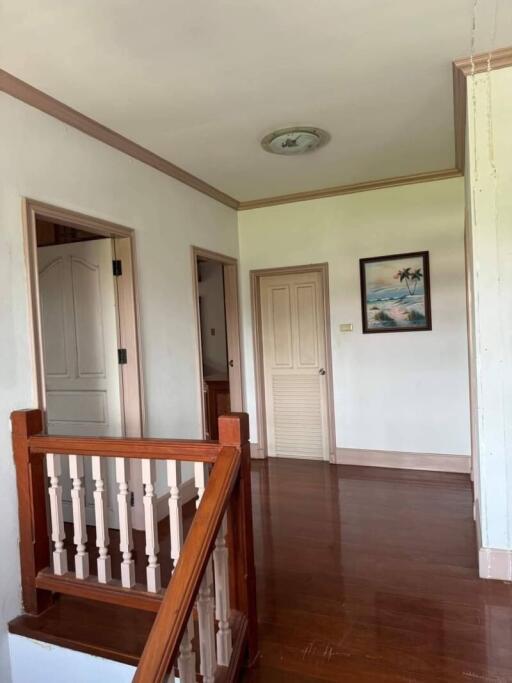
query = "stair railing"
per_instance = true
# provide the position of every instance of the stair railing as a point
(210, 598)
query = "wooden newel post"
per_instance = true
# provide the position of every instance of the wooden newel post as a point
(31, 484)
(234, 431)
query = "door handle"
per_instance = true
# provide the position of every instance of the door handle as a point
(321, 371)
(231, 363)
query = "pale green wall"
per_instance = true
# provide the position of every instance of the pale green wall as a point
(403, 391)
(489, 180)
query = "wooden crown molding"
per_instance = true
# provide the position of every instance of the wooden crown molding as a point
(462, 68)
(488, 61)
(49, 105)
(430, 176)
(485, 61)
(459, 116)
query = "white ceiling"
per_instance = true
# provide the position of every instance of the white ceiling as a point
(199, 82)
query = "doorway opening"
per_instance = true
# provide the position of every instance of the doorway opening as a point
(79, 330)
(86, 344)
(294, 391)
(218, 328)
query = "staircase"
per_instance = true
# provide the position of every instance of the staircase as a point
(110, 605)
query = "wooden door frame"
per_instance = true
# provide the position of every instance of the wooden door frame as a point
(131, 384)
(259, 450)
(232, 312)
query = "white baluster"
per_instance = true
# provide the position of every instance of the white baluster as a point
(151, 526)
(100, 514)
(206, 623)
(200, 479)
(186, 658)
(76, 472)
(221, 570)
(60, 560)
(175, 516)
(125, 524)
(205, 604)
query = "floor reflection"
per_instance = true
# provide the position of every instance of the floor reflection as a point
(368, 574)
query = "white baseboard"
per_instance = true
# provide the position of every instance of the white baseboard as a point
(257, 453)
(476, 518)
(495, 563)
(187, 493)
(402, 460)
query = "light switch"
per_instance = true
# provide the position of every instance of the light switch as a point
(346, 327)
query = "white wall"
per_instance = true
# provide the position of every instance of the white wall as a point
(489, 172)
(33, 661)
(46, 160)
(213, 316)
(402, 391)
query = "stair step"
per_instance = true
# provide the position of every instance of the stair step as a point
(100, 629)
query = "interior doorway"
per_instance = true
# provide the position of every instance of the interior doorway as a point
(86, 345)
(216, 290)
(79, 332)
(293, 362)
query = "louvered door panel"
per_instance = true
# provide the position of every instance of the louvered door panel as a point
(297, 415)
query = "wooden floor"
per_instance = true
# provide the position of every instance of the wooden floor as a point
(369, 574)
(363, 574)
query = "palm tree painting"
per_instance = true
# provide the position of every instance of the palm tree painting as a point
(395, 293)
(406, 275)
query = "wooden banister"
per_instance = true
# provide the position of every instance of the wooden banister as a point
(234, 430)
(225, 494)
(30, 480)
(121, 447)
(163, 641)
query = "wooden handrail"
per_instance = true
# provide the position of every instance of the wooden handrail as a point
(234, 429)
(121, 447)
(165, 636)
(228, 492)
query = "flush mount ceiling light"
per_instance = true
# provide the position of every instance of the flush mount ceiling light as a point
(296, 140)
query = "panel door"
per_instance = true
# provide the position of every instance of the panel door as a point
(80, 341)
(293, 336)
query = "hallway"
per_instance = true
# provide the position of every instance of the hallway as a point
(367, 574)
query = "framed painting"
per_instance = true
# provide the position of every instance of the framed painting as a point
(395, 293)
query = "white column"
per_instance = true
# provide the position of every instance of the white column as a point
(186, 658)
(60, 561)
(125, 524)
(205, 603)
(100, 513)
(489, 241)
(151, 526)
(76, 472)
(222, 609)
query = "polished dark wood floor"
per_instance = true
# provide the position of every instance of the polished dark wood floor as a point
(363, 575)
(368, 574)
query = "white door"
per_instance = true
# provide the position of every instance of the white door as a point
(80, 342)
(293, 335)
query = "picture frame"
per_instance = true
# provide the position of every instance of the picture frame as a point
(395, 293)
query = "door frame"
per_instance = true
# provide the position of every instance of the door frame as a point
(131, 383)
(233, 339)
(259, 450)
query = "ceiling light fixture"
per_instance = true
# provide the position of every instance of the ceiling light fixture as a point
(295, 140)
